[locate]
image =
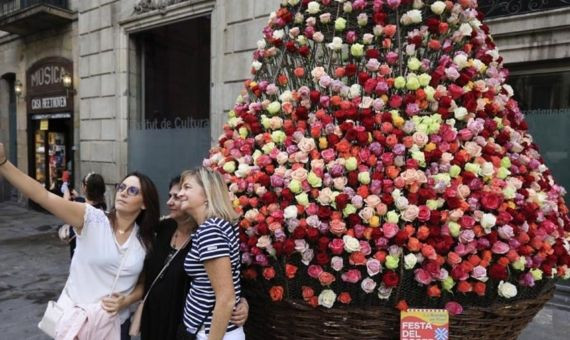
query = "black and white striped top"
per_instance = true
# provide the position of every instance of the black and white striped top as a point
(213, 239)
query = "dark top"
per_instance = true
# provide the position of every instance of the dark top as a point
(162, 312)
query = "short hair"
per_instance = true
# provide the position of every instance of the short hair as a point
(216, 191)
(174, 181)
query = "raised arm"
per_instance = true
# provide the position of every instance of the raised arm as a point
(70, 212)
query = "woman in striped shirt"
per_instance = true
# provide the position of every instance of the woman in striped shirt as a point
(213, 262)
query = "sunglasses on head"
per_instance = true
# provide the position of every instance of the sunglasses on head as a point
(131, 191)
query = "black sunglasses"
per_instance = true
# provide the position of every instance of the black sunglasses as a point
(131, 191)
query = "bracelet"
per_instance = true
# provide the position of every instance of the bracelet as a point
(5, 161)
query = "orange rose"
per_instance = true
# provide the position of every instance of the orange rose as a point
(282, 79)
(503, 261)
(363, 191)
(276, 293)
(464, 287)
(429, 252)
(402, 305)
(357, 259)
(474, 260)
(391, 140)
(344, 297)
(414, 244)
(434, 291)
(343, 146)
(326, 278)
(479, 288)
(290, 271)
(299, 72)
(392, 171)
(268, 273)
(423, 232)
(313, 302)
(380, 256)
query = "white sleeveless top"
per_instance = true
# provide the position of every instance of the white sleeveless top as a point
(98, 257)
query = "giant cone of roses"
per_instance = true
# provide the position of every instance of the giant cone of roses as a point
(378, 141)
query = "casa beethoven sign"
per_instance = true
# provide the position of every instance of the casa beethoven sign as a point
(45, 92)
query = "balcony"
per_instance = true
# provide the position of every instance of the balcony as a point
(30, 16)
(502, 8)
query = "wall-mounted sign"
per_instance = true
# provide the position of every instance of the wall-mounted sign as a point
(45, 92)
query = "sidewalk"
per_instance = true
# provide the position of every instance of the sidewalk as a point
(35, 263)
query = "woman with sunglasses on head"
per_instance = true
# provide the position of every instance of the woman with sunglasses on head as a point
(105, 244)
(166, 282)
(213, 262)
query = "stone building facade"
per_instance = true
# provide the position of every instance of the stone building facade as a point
(139, 103)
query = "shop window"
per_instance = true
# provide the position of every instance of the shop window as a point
(169, 127)
(544, 98)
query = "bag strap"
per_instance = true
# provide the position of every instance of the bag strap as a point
(121, 267)
(166, 266)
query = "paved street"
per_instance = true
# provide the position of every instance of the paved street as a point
(34, 265)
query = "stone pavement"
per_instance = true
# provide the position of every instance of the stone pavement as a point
(34, 265)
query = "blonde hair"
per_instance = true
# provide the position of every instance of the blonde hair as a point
(216, 191)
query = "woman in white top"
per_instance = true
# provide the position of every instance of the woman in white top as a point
(102, 241)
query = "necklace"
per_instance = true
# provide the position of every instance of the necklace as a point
(174, 239)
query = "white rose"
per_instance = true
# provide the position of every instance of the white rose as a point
(243, 170)
(314, 7)
(264, 242)
(290, 212)
(507, 290)
(336, 44)
(487, 169)
(413, 16)
(261, 44)
(401, 203)
(307, 256)
(438, 7)
(466, 30)
(355, 90)
(460, 60)
(367, 38)
(351, 244)
(368, 285)
(293, 2)
(278, 34)
(410, 261)
(488, 221)
(460, 113)
(256, 65)
(327, 298)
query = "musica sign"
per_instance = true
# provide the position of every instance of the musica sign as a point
(45, 92)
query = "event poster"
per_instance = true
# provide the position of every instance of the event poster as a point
(424, 324)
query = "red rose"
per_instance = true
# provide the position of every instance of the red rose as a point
(357, 259)
(290, 271)
(479, 288)
(498, 272)
(268, 273)
(341, 201)
(434, 291)
(276, 293)
(250, 274)
(424, 213)
(464, 287)
(491, 200)
(390, 279)
(322, 258)
(289, 247)
(344, 297)
(337, 246)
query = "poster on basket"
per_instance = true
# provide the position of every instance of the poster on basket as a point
(424, 324)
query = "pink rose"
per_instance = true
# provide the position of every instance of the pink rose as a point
(300, 174)
(339, 183)
(337, 263)
(368, 285)
(466, 236)
(390, 230)
(312, 209)
(365, 248)
(373, 267)
(420, 138)
(506, 232)
(352, 276)
(500, 248)
(314, 271)
(422, 276)
(328, 155)
(473, 149)
(424, 213)
(336, 246)
(337, 227)
(465, 134)
(453, 308)
(479, 273)
(381, 209)
(467, 222)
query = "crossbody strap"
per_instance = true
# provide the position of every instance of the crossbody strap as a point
(164, 267)
(121, 267)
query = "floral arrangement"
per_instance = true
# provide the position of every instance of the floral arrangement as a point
(379, 145)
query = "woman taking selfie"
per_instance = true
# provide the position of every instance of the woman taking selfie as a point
(110, 251)
(213, 262)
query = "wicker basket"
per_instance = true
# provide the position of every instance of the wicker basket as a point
(295, 320)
